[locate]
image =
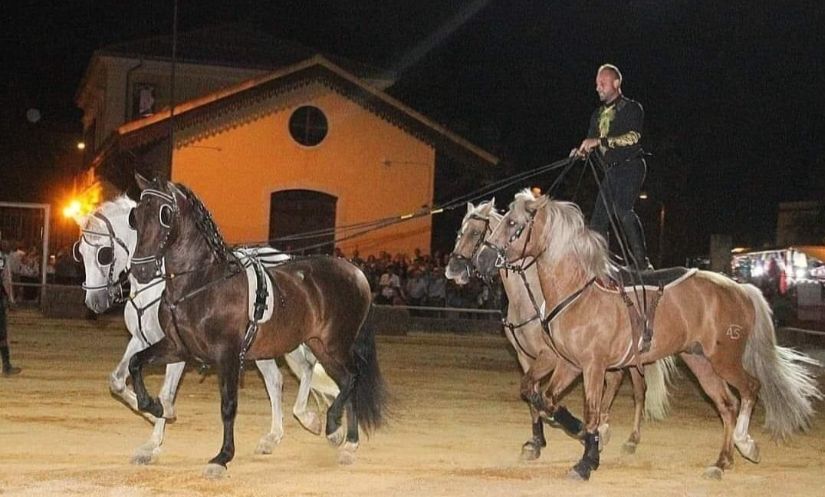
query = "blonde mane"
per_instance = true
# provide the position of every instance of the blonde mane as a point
(566, 234)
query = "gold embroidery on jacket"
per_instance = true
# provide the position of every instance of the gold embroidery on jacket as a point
(606, 117)
(625, 140)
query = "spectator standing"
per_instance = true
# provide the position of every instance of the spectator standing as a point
(6, 300)
(416, 290)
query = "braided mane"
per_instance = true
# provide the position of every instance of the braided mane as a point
(206, 226)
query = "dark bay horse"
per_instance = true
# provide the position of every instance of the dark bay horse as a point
(320, 301)
(534, 350)
(721, 329)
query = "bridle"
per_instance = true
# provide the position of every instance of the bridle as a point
(167, 217)
(501, 252)
(468, 261)
(104, 256)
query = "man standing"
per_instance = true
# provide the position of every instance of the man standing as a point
(615, 131)
(6, 298)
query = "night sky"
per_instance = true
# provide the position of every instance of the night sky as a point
(734, 91)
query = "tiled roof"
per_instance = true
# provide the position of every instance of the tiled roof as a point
(234, 45)
(202, 110)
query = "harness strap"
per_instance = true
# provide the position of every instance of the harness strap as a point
(261, 295)
(513, 327)
(561, 306)
(651, 314)
(641, 324)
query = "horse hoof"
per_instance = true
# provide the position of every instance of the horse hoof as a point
(346, 455)
(214, 471)
(529, 452)
(629, 448)
(311, 422)
(749, 450)
(575, 475)
(712, 473)
(336, 438)
(144, 456)
(267, 443)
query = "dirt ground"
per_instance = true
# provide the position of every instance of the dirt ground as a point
(457, 429)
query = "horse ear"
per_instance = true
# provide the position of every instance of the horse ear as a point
(174, 190)
(142, 182)
(80, 219)
(470, 207)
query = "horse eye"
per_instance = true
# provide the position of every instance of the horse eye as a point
(132, 220)
(105, 256)
(165, 215)
(76, 255)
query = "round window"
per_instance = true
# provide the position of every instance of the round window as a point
(308, 125)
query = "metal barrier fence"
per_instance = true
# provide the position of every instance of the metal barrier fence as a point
(28, 224)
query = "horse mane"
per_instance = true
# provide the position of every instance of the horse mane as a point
(485, 209)
(206, 226)
(117, 205)
(566, 234)
(109, 208)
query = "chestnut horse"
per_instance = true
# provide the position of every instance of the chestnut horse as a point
(320, 301)
(721, 329)
(535, 353)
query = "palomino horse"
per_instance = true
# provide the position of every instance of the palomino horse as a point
(105, 247)
(320, 301)
(721, 329)
(536, 356)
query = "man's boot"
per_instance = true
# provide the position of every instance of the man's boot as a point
(8, 369)
(636, 241)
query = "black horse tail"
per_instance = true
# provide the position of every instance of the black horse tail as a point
(370, 397)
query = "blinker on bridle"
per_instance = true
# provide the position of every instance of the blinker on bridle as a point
(501, 252)
(166, 217)
(104, 255)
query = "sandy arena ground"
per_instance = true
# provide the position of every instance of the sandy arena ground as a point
(457, 430)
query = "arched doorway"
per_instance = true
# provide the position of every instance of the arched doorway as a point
(294, 212)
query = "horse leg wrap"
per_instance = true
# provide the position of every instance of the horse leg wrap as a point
(590, 461)
(570, 423)
(537, 402)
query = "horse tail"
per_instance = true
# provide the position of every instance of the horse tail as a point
(370, 396)
(658, 378)
(788, 385)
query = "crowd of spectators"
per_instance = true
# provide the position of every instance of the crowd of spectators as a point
(25, 265)
(399, 280)
(419, 281)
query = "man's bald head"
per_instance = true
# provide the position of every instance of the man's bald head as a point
(608, 83)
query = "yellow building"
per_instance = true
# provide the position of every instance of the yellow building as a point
(306, 147)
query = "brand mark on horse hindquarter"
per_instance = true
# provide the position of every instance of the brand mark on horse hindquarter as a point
(734, 332)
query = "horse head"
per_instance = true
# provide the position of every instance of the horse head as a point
(514, 239)
(474, 227)
(157, 220)
(105, 246)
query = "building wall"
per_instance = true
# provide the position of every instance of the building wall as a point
(107, 96)
(235, 171)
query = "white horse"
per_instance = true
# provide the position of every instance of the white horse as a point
(105, 247)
